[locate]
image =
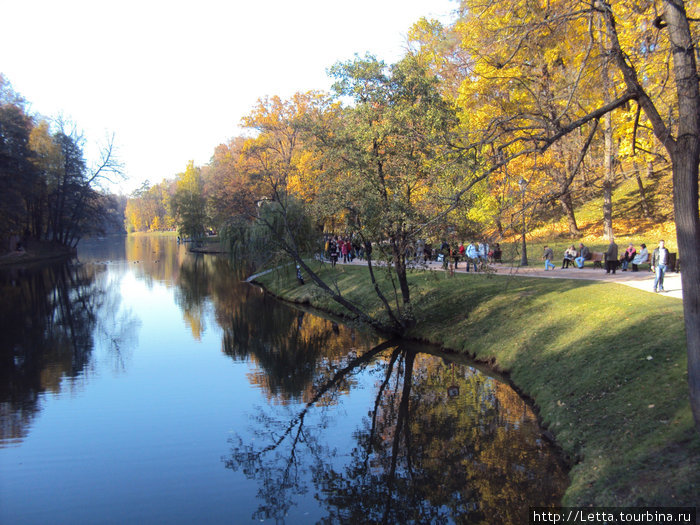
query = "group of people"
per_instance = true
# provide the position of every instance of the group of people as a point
(473, 254)
(660, 259)
(631, 256)
(571, 257)
(583, 254)
(349, 249)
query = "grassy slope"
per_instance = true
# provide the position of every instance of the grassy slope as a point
(629, 224)
(581, 351)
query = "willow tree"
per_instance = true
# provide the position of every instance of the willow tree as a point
(275, 161)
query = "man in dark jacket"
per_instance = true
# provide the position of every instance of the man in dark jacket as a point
(611, 261)
(583, 255)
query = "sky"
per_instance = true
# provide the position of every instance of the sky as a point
(172, 80)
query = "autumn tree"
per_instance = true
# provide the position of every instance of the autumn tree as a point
(18, 176)
(391, 163)
(509, 38)
(273, 159)
(189, 202)
(149, 207)
(227, 184)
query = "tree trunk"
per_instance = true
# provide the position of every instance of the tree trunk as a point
(499, 226)
(608, 167)
(685, 157)
(646, 209)
(567, 206)
(399, 254)
(609, 180)
(685, 205)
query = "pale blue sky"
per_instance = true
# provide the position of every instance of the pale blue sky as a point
(173, 79)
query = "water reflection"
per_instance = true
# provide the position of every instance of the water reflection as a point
(420, 455)
(350, 429)
(288, 346)
(48, 317)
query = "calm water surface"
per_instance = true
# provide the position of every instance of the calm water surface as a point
(149, 385)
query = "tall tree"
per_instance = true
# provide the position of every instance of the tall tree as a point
(631, 57)
(17, 173)
(391, 161)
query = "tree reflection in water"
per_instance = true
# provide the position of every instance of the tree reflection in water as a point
(48, 317)
(291, 350)
(419, 456)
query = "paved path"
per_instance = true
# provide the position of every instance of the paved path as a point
(643, 279)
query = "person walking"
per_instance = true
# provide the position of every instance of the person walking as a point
(455, 256)
(445, 252)
(548, 257)
(611, 257)
(333, 251)
(483, 250)
(659, 262)
(345, 249)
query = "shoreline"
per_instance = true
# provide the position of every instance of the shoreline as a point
(489, 366)
(31, 257)
(648, 458)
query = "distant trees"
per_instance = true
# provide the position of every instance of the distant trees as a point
(189, 203)
(48, 191)
(149, 208)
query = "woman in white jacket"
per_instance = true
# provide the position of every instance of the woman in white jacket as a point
(641, 257)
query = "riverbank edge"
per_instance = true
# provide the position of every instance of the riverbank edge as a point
(488, 367)
(31, 257)
(587, 485)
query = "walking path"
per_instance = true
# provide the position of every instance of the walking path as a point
(643, 279)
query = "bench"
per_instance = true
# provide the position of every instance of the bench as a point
(598, 259)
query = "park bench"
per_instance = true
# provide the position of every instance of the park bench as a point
(598, 259)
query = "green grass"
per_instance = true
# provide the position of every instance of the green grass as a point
(605, 365)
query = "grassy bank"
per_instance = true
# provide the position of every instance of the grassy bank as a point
(605, 364)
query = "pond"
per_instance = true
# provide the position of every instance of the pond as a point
(144, 384)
